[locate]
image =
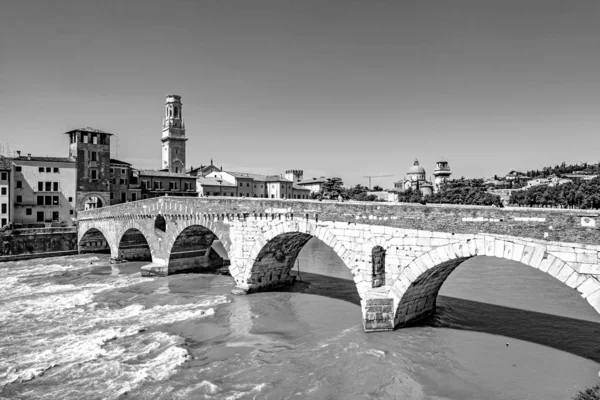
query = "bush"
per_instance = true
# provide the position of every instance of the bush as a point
(589, 394)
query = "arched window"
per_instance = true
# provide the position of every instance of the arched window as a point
(160, 223)
(378, 260)
(176, 112)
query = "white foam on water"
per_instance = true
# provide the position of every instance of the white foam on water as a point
(80, 349)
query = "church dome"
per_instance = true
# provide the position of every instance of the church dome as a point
(416, 169)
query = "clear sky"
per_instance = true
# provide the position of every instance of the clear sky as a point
(334, 87)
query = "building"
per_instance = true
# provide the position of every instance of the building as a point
(441, 174)
(313, 185)
(204, 170)
(6, 204)
(211, 186)
(90, 149)
(44, 191)
(294, 175)
(261, 186)
(164, 183)
(124, 183)
(173, 136)
(415, 179)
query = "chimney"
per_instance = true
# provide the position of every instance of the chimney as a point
(29, 156)
(19, 153)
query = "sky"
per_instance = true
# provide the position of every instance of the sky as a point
(333, 87)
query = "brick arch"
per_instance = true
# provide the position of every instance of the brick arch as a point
(299, 231)
(415, 291)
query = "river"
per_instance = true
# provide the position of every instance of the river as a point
(78, 328)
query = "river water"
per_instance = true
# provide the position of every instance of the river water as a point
(79, 328)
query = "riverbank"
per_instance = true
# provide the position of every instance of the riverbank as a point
(31, 243)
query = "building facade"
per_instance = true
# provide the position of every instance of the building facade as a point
(210, 186)
(90, 149)
(163, 183)
(415, 179)
(261, 186)
(313, 185)
(6, 204)
(44, 190)
(441, 174)
(173, 136)
(124, 183)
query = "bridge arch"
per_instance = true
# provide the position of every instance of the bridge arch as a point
(187, 244)
(416, 288)
(275, 251)
(96, 240)
(133, 244)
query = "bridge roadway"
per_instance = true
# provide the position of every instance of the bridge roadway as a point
(399, 254)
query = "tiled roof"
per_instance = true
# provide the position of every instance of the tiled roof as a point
(113, 161)
(5, 163)
(258, 177)
(298, 187)
(312, 181)
(213, 182)
(88, 129)
(152, 172)
(45, 159)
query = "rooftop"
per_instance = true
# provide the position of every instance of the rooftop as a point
(114, 161)
(258, 177)
(45, 159)
(88, 129)
(213, 182)
(312, 181)
(152, 172)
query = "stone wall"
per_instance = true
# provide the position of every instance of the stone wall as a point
(39, 241)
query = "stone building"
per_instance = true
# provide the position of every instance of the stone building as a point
(262, 186)
(313, 185)
(173, 136)
(6, 204)
(44, 190)
(213, 186)
(90, 149)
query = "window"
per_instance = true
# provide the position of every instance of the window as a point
(70, 199)
(94, 174)
(123, 197)
(55, 186)
(94, 139)
(18, 168)
(113, 181)
(55, 216)
(145, 184)
(122, 181)
(19, 199)
(255, 186)
(247, 184)
(272, 196)
(122, 171)
(4, 176)
(172, 185)
(40, 216)
(48, 186)
(40, 186)
(54, 200)
(48, 169)
(4, 208)
(3, 191)
(112, 195)
(47, 200)
(94, 156)
(4, 222)
(41, 169)
(133, 196)
(85, 138)
(241, 183)
(56, 170)
(28, 211)
(71, 212)
(19, 184)
(40, 200)
(112, 170)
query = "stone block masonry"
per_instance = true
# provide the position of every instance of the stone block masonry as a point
(416, 247)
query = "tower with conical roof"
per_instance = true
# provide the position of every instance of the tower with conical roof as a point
(173, 136)
(441, 174)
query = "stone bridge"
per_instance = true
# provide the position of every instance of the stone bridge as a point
(399, 254)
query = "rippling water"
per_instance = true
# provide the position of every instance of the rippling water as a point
(76, 327)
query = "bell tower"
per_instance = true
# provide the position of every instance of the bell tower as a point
(173, 136)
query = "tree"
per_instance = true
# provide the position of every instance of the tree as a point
(377, 188)
(333, 188)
